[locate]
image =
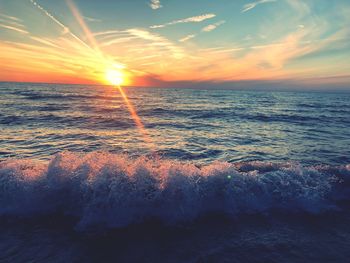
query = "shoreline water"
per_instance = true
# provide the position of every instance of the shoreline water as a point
(237, 176)
(111, 190)
(251, 238)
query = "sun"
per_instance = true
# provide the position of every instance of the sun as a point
(114, 77)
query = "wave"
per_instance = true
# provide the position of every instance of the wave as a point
(112, 190)
(49, 96)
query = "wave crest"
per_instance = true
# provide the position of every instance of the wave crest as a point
(116, 190)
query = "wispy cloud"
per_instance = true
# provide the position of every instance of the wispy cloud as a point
(186, 38)
(145, 34)
(263, 54)
(193, 19)
(155, 4)
(118, 41)
(213, 26)
(20, 30)
(157, 40)
(108, 32)
(252, 5)
(10, 17)
(205, 29)
(45, 42)
(91, 19)
(66, 30)
(11, 22)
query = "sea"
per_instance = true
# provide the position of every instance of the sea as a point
(93, 173)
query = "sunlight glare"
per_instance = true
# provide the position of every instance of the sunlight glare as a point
(114, 77)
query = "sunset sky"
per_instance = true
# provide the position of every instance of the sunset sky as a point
(176, 42)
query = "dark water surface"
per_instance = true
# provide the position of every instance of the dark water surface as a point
(225, 176)
(38, 120)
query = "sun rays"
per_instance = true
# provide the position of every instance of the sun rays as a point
(42, 42)
(114, 77)
(106, 70)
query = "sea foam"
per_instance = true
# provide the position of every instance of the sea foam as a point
(111, 190)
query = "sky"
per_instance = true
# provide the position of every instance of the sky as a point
(177, 42)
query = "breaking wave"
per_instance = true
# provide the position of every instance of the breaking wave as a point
(111, 190)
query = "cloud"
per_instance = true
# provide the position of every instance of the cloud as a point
(91, 19)
(193, 19)
(145, 34)
(14, 29)
(188, 37)
(213, 26)
(158, 41)
(206, 29)
(281, 53)
(108, 32)
(45, 42)
(66, 30)
(10, 17)
(11, 22)
(252, 5)
(155, 4)
(118, 41)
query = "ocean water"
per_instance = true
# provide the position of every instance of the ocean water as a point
(214, 175)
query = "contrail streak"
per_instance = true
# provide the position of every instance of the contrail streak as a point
(83, 25)
(59, 23)
(92, 40)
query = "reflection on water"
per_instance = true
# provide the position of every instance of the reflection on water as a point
(38, 120)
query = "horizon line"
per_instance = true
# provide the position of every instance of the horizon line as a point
(207, 85)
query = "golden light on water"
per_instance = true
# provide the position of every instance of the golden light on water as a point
(117, 77)
(115, 73)
(136, 118)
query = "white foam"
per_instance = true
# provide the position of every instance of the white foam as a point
(115, 190)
